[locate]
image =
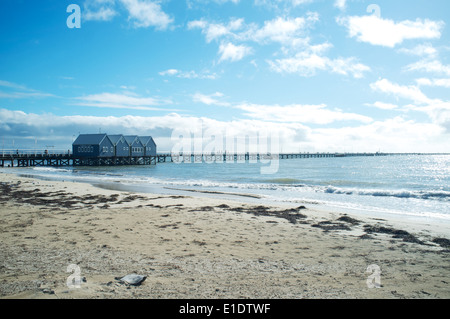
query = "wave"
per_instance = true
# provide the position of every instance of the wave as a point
(284, 185)
(51, 169)
(425, 194)
(431, 194)
(288, 181)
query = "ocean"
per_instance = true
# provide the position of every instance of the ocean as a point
(413, 186)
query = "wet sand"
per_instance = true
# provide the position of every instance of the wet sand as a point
(197, 247)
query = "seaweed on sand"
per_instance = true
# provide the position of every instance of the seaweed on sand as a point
(292, 214)
(396, 233)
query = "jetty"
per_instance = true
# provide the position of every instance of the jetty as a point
(63, 159)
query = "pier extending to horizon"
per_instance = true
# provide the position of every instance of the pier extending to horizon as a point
(38, 159)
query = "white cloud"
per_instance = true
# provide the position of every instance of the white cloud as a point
(383, 106)
(24, 95)
(384, 32)
(437, 110)
(430, 66)
(213, 31)
(225, 1)
(147, 13)
(233, 53)
(391, 135)
(62, 128)
(209, 99)
(282, 30)
(420, 50)
(400, 91)
(291, 33)
(189, 74)
(303, 63)
(315, 114)
(13, 85)
(103, 14)
(18, 91)
(293, 113)
(142, 13)
(196, 4)
(307, 64)
(347, 66)
(278, 4)
(170, 72)
(122, 101)
(99, 10)
(341, 4)
(300, 2)
(433, 82)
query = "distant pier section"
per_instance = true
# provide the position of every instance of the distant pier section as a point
(54, 159)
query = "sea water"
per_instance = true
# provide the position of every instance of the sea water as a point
(415, 186)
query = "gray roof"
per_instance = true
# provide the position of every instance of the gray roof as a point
(130, 138)
(89, 139)
(115, 138)
(146, 139)
(96, 139)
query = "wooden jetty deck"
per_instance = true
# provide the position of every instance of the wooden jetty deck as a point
(60, 160)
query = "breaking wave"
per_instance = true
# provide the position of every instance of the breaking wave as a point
(444, 195)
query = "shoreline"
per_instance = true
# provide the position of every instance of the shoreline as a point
(439, 226)
(192, 246)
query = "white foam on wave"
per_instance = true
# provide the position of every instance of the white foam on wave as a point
(51, 169)
(431, 194)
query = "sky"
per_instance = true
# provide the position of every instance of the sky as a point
(321, 75)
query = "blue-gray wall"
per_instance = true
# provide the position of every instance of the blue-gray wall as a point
(104, 149)
(150, 149)
(137, 149)
(122, 149)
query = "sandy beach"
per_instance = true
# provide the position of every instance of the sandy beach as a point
(200, 247)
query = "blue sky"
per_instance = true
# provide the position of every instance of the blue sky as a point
(324, 75)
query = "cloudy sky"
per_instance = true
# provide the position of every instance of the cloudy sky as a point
(324, 75)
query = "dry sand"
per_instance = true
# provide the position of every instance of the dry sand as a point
(197, 247)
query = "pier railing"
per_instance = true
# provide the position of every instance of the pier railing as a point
(30, 152)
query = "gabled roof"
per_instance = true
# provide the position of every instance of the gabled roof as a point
(89, 139)
(130, 138)
(115, 138)
(146, 140)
